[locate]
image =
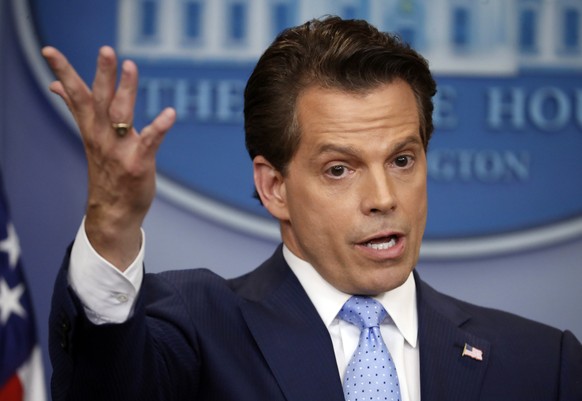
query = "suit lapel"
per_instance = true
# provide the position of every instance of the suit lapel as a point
(288, 330)
(297, 347)
(445, 373)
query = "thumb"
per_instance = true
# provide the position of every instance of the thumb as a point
(153, 134)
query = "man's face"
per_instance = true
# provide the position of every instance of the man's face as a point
(354, 197)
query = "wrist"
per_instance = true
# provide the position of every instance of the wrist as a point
(116, 237)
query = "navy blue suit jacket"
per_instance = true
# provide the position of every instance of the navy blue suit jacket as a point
(197, 336)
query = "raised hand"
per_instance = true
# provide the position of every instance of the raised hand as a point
(121, 163)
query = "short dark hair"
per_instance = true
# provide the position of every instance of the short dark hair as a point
(349, 55)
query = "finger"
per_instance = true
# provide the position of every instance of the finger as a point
(72, 88)
(123, 103)
(151, 136)
(57, 88)
(104, 83)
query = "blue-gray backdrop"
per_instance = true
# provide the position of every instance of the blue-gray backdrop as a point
(44, 170)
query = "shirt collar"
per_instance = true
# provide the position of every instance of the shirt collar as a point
(328, 300)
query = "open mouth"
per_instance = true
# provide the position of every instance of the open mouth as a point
(382, 243)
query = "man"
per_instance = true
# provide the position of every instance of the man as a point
(337, 122)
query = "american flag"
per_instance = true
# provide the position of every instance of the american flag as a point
(21, 372)
(472, 352)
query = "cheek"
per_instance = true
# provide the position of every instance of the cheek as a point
(421, 208)
(319, 226)
(310, 202)
(416, 204)
(314, 221)
(318, 212)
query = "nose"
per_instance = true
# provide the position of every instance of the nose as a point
(378, 192)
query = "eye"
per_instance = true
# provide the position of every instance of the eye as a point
(337, 171)
(403, 161)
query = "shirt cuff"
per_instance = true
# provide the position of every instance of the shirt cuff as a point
(107, 294)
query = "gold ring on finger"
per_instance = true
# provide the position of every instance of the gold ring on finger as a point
(121, 129)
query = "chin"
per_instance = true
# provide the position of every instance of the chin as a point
(389, 281)
(379, 286)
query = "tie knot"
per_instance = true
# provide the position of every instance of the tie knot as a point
(364, 312)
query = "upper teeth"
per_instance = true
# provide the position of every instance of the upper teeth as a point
(382, 245)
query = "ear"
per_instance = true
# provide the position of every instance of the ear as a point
(270, 185)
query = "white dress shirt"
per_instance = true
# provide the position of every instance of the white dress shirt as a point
(399, 331)
(108, 296)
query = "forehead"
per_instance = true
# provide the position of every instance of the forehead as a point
(333, 114)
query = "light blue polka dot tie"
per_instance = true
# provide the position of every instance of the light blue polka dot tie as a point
(371, 374)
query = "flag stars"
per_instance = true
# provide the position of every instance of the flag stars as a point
(10, 301)
(11, 246)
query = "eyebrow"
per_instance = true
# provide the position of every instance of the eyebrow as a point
(351, 151)
(409, 140)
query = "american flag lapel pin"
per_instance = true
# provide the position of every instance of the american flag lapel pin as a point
(472, 352)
